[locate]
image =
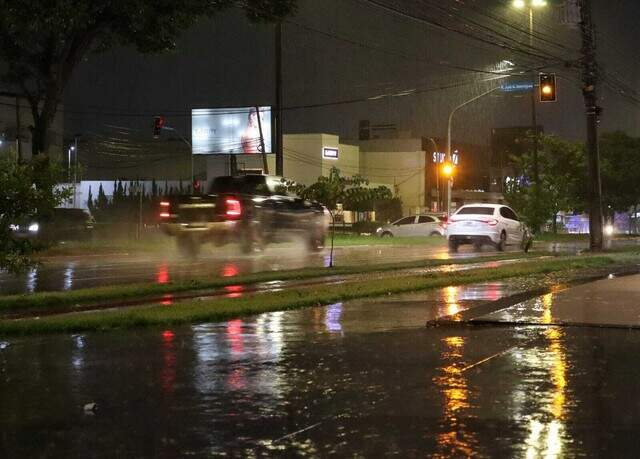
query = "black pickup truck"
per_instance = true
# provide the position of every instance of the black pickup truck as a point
(247, 209)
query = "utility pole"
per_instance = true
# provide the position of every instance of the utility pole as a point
(75, 169)
(589, 80)
(278, 108)
(18, 128)
(534, 116)
(265, 164)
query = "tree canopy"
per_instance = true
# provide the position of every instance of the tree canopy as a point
(620, 169)
(562, 177)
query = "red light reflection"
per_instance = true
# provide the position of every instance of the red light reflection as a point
(494, 291)
(162, 277)
(168, 373)
(234, 335)
(167, 336)
(167, 300)
(230, 270)
(235, 291)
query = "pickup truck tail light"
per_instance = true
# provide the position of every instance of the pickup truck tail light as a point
(165, 209)
(234, 208)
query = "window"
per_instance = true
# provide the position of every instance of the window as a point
(508, 213)
(425, 219)
(475, 211)
(405, 221)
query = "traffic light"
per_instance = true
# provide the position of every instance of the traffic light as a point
(447, 169)
(548, 87)
(158, 124)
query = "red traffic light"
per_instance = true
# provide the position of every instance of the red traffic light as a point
(548, 87)
(158, 124)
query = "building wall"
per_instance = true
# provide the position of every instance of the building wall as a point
(401, 171)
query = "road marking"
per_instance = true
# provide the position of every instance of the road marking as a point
(297, 432)
(480, 362)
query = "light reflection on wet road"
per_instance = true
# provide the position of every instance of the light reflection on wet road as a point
(361, 378)
(66, 273)
(75, 273)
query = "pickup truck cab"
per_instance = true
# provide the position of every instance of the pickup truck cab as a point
(250, 210)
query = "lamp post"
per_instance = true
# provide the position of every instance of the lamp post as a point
(437, 152)
(531, 5)
(449, 159)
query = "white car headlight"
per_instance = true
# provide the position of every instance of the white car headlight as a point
(13, 227)
(34, 227)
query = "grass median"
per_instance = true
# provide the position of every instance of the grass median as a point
(295, 298)
(47, 301)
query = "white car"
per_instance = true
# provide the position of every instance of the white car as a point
(415, 225)
(481, 224)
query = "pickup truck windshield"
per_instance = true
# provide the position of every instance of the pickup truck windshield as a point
(250, 184)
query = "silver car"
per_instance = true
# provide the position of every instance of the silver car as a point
(415, 225)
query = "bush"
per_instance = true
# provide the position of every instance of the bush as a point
(365, 227)
(388, 210)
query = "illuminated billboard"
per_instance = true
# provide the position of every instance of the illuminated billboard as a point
(230, 131)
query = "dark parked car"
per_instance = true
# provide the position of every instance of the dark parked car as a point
(61, 225)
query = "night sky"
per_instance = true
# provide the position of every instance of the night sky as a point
(340, 51)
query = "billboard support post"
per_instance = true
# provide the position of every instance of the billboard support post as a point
(265, 164)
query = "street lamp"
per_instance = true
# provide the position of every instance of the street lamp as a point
(449, 157)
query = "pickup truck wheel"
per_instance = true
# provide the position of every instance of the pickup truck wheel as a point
(316, 243)
(188, 247)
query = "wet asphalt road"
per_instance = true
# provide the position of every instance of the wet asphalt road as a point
(364, 379)
(67, 273)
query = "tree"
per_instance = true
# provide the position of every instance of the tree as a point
(620, 169)
(27, 191)
(562, 170)
(335, 189)
(90, 201)
(42, 43)
(388, 210)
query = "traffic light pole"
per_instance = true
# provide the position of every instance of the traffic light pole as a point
(590, 79)
(168, 128)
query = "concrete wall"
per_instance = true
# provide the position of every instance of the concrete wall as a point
(400, 171)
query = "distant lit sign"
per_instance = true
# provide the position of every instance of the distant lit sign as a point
(516, 87)
(230, 130)
(331, 153)
(439, 157)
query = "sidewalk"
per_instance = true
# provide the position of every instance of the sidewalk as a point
(613, 302)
